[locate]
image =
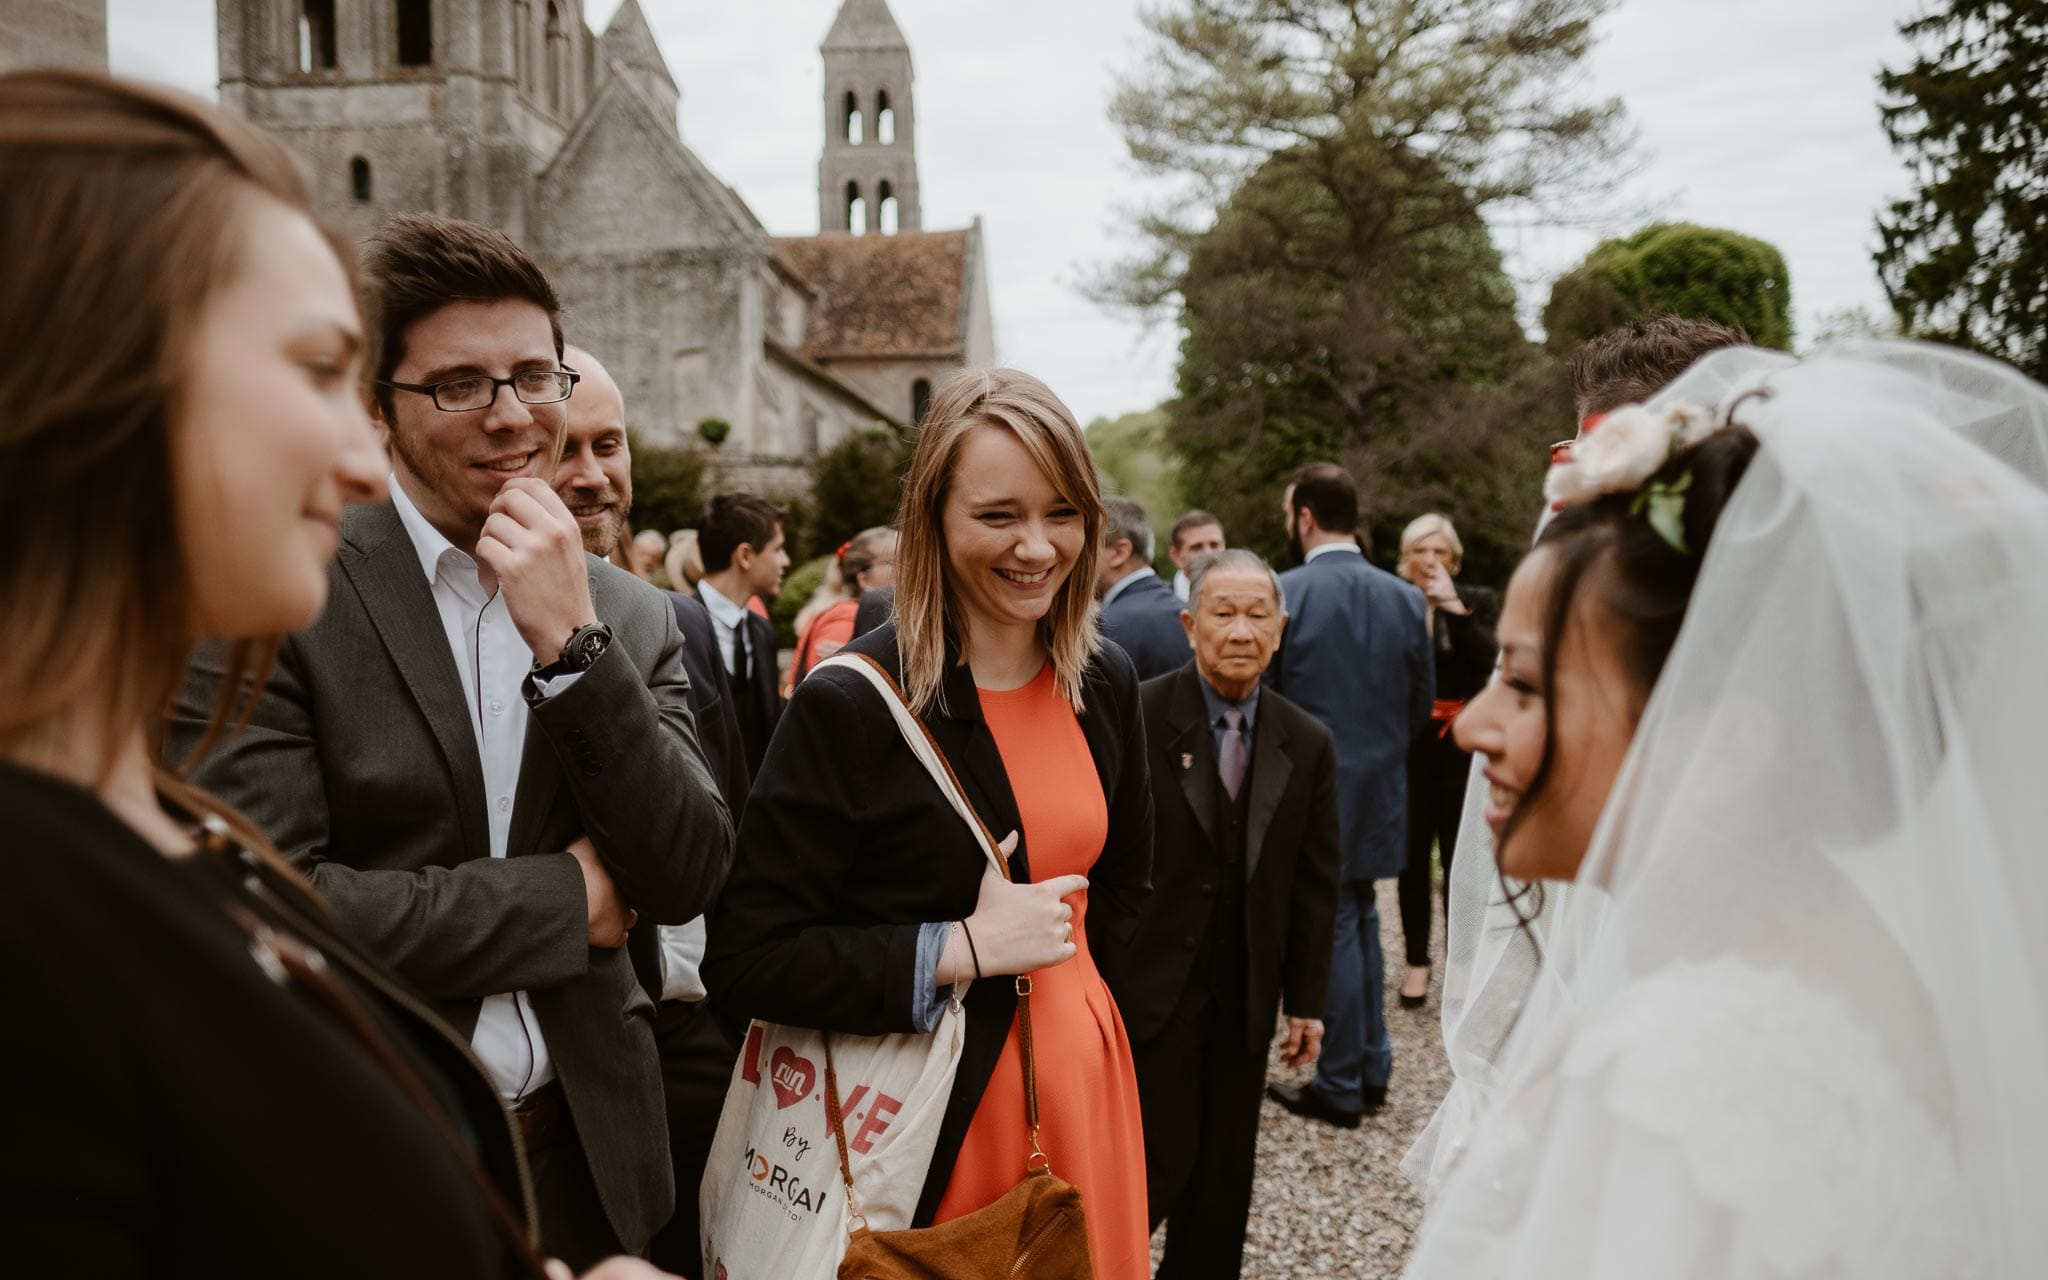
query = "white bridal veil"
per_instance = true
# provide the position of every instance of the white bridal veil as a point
(1792, 1018)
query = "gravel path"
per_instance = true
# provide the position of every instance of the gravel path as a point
(1332, 1202)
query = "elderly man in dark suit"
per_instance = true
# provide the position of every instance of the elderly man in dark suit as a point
(1355, 656)
(595, 481)
(1244, 880)
(483, 753)
(1139, 611)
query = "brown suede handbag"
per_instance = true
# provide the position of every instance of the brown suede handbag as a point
(1038, 1228)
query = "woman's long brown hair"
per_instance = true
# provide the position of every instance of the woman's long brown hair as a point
(120, 218)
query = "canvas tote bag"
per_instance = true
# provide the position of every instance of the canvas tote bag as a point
(772, 1200)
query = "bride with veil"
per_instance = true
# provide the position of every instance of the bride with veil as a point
(1772, 700)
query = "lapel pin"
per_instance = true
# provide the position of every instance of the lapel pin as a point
(1187, 760)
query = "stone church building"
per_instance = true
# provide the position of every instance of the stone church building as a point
(513, 113)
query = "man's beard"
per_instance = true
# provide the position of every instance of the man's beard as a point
(601, 539)
(1294, 547)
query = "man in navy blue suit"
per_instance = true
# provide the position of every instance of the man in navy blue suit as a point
(1356, 657)
(1139, 611)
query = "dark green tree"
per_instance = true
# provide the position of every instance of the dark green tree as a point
(1675, 268)
(854, 486)
(1325, 251)
(1964, 259)
(668, 488)
(1261, 376)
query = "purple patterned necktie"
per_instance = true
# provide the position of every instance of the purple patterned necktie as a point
(1231, 761)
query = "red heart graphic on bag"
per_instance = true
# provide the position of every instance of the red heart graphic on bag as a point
(792, 1077)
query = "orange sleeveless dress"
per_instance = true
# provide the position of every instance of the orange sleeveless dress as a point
(1092, 1130)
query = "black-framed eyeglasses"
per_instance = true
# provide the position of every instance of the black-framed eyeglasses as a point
(462, 395)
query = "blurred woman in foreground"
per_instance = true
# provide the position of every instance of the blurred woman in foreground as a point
(210, 1080)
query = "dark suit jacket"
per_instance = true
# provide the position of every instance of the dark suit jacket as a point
(1356, 656)
(758, 704)
(1290, 867)
(848, 848)
(876, 607)
(718, 727)
(360, 764)
(180, 1114)
(1145, 620)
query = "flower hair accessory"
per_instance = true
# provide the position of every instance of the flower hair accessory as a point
(1631, 445)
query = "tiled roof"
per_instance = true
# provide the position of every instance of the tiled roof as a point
(882, 296)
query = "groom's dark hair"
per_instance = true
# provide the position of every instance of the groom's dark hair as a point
(1633, 363)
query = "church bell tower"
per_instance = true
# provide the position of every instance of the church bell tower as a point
(867, 177)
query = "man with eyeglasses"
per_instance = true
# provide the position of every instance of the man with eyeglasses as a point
(483, 754)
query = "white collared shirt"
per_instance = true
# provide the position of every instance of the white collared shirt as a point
(1352, 547)
(493, 659)
(730, 618)
(1181, 584)
(1117, 588)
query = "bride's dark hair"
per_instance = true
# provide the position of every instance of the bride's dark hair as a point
(1641, 584)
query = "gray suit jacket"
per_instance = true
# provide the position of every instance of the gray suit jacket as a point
(361, 765)
(1356, 656)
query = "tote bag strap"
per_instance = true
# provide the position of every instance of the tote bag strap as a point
(923, 746)
(926, 749)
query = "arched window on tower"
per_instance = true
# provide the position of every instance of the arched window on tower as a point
(920, 400)
(556, 62)
(885, 206)
(359, 180)
(415, 33)
(317, 51)
(522, 43)
(885, 119)
(856, 209)
(849, 123)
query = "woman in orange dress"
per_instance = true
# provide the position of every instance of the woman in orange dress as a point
(1087, 1086)
(858, 895)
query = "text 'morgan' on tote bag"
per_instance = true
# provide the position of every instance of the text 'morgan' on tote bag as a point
(864, 1111)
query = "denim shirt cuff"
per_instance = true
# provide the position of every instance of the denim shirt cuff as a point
(926, 1004)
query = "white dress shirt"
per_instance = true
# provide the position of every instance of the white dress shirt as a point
(1117, 588)
(493, 659)
(1328, 547)
(730, 618)
(1181, 584)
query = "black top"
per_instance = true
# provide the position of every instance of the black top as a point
(847, 848)
(1464, 646)
(173, 1110)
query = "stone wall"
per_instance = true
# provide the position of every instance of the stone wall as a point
(53, 33)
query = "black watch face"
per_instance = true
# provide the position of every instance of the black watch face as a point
(590, 647)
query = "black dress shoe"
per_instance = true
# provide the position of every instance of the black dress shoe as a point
(1304, 1101)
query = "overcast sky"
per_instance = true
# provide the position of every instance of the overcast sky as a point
(1757, 115)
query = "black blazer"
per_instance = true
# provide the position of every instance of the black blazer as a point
(175, 1112)
(1290, 901)
(848, 848)
(718, 726)
(757, 705)
(1145, 619)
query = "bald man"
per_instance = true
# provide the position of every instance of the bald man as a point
(595, 481)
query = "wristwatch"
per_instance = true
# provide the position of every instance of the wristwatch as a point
(586, 645)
